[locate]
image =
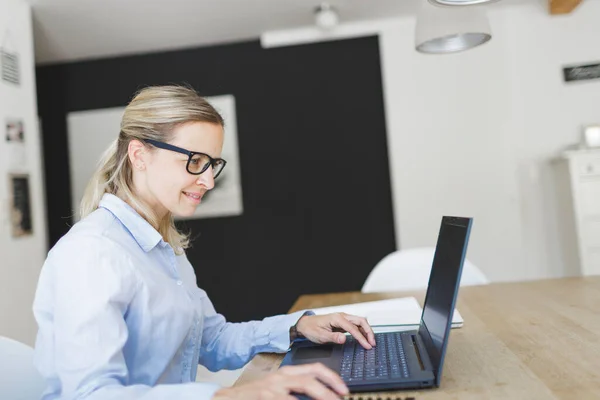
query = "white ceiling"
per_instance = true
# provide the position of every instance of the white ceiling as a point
(68, 30)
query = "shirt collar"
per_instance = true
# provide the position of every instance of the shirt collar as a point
(144, 234)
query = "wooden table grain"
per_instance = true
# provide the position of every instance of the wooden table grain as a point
(526, 340)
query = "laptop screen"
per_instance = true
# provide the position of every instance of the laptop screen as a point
(443, 288)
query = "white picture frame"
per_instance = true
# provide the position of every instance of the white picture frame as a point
(90, 132)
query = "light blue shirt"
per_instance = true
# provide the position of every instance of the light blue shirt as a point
(120, 316)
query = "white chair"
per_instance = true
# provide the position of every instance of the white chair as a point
(19, 380)
(409, 270)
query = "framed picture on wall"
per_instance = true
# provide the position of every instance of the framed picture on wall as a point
(20, 205)
(15, 133)
(90, 132)
(14, 136)
(225, 199)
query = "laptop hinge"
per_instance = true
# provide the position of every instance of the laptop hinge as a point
(417, 351)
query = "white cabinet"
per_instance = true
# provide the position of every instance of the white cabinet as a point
(584, 181)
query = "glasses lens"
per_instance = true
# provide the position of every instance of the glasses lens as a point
(199, 163)
(218, 167)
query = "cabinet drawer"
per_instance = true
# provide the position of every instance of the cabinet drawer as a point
(589, 167)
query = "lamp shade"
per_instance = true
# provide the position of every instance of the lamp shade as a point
(443, 30)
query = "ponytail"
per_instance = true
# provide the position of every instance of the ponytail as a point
(100, 181)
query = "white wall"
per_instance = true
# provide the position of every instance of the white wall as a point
(20, 258)
(472, 134)
(469, 134)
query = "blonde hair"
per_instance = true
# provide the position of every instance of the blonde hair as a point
(153, 113)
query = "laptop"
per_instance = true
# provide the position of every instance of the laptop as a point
(408, 359)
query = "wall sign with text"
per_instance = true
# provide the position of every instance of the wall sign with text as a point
(582, 72)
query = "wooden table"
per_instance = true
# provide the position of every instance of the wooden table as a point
(526, 340)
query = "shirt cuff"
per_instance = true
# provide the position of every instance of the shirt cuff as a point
(278, 330)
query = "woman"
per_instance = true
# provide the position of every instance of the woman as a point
(120, 315)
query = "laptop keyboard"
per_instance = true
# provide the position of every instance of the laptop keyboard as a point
(386, 361)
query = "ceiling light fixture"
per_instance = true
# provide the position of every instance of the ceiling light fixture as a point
(326, 16)
(460, 2)
(442, 30)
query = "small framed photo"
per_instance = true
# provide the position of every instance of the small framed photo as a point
(20, 205)
(591, 136)
(14, 131)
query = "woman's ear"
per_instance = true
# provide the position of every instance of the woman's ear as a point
(138, 154)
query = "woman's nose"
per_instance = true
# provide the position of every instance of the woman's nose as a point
(206, 179)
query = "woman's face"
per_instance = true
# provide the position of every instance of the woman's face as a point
(165, 183)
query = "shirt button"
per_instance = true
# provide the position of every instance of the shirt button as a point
(179, 283)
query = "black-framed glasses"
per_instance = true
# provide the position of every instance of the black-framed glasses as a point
(197, 162)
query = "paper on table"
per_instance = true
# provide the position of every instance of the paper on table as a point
(404, 311)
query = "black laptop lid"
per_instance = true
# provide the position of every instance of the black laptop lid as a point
(442, 290)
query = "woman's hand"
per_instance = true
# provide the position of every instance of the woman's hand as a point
(328, 328)
(308, 379)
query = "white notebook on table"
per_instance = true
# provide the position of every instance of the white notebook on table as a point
(388, 315)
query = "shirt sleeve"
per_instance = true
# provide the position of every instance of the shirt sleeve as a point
(227, 345)
(92, 288)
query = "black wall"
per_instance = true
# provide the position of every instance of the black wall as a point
(314, 163)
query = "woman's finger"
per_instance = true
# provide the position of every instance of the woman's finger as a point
(364, 324)
(342, 322)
